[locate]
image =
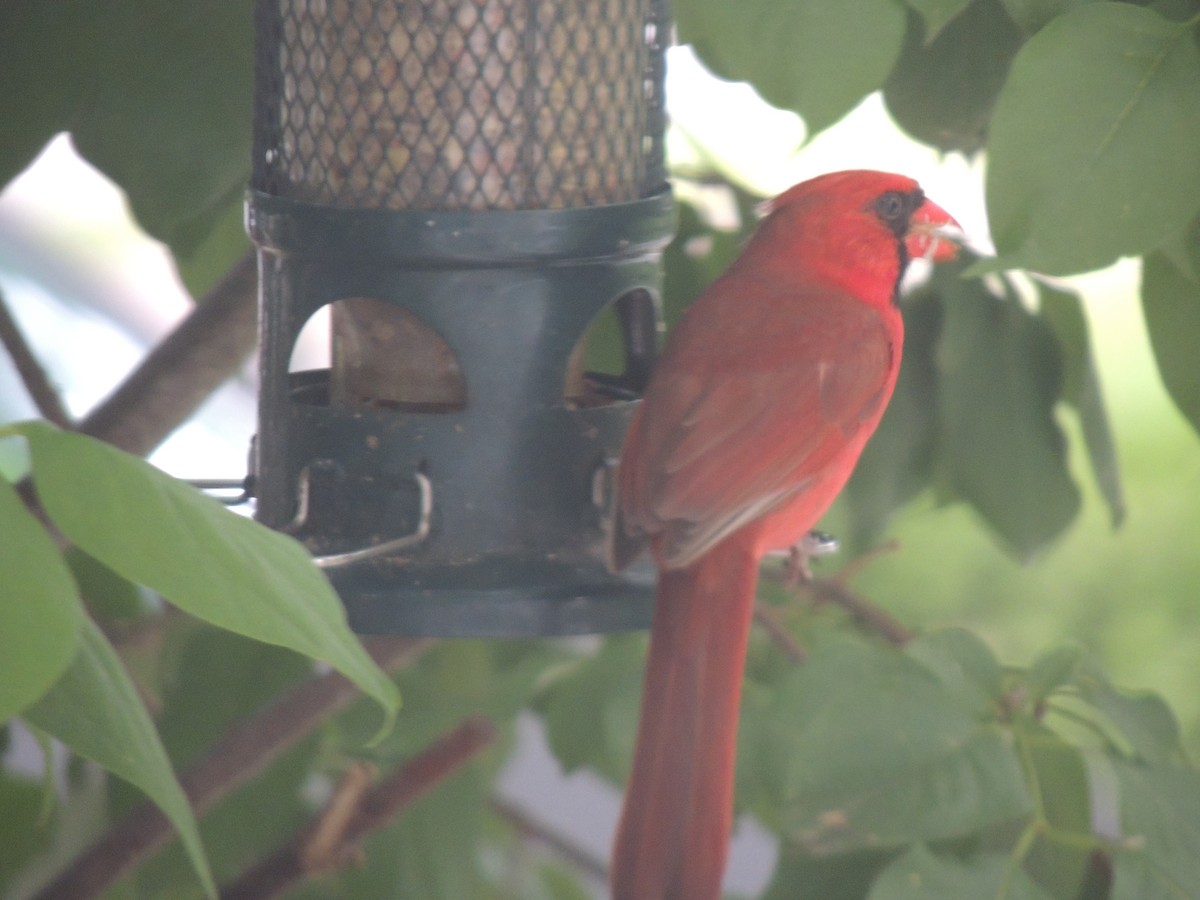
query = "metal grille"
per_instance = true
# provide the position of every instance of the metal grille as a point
(460, 104)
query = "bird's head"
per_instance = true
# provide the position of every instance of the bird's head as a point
(862, 225)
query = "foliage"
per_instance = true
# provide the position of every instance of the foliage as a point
(141, 525)
(927, 771)
(1089, 114)
(934, 766)
(156, 96)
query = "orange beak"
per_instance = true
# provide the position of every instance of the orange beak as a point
(932, 233)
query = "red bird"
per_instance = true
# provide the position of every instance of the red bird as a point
(753, 420)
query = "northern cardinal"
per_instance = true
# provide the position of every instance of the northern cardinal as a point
(754, 417)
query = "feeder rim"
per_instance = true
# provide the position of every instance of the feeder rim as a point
(463, 238)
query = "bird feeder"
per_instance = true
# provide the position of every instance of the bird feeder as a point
(467, 185)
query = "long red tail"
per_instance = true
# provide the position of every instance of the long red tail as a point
(674, 833)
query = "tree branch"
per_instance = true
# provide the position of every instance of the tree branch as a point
(32, 375)
(183, 370)
(866, 613)
(778, 632)
(242, 753)
(175, 378)
(330, 841)
(836, 591)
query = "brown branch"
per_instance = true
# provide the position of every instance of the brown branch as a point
(177, 376)
(183, 370)
(331, 841)
(862, 610)
(41, 391)
(835, 591)
(241, 753)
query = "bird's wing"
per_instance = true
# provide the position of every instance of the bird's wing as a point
(738, 430)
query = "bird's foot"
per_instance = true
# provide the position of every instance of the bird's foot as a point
(809, 547)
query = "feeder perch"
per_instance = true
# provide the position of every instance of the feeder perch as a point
(467, 186)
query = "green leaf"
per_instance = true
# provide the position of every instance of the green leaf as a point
(167, 115)
(155, 95)
(1081, 388)
(40, 613)
(54, 82)
(1160, 815)
(944, 85)
(1094, 146)
(590, 707)
(212, 258)
(921, 874)
(243, 827)
(1051, 671)
(14, 457)
(559, 882)
(222, 568)
(936, 14)
(1143, 721)
(1001, 449)
(453, 680)
(1059, 776)
(867, 748)
(432, 851)
(1171, 305)
(1033, 15)
(1184, 250)
(963, 663)
(817, 58)
(94, 709)
(974, 782)
(898, 460)
(222, 678)
(24, 832)
(108, 596)
(843, 876)
(1087, 711)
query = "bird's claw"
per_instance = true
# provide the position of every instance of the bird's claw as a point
(809, 547)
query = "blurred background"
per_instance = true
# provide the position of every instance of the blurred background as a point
(93, 293)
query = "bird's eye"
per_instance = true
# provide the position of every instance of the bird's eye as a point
(892, 207)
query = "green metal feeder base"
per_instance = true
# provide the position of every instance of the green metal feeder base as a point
(490, 517)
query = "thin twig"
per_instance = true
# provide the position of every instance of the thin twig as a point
(532, 829)
(866, 613)
(323, 846)
(183, 370)
(769, 619)
(836, 591)
(850, 570)
(144, 634)
(343, 831)
(241, 754)
(32, 375)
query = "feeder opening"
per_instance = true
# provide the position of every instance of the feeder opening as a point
(336, 360)
(612, 361)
